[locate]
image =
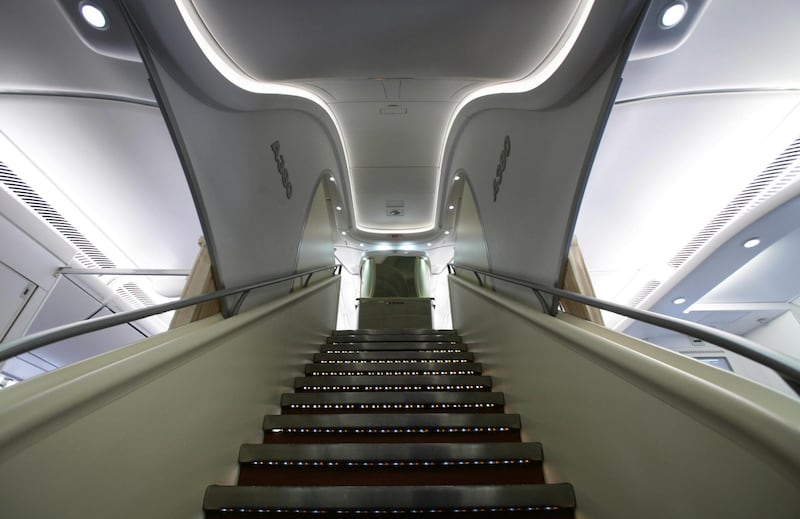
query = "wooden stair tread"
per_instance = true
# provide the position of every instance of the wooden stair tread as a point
(393, 383)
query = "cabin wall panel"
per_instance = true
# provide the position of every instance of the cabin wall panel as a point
(253, 229)
(630, 449)
(146, 428)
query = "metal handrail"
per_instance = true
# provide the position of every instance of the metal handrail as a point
(785, 366)
(59, 333)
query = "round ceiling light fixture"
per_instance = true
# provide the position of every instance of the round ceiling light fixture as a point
(672, 15)
(752, 242)
(94, 16)
(679, 300)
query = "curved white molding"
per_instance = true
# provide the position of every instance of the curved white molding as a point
(233, 73)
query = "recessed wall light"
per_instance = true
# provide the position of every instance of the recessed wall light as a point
(679, 300)
(451, 207)
(94, 16)
(752, 242)
(338, 208)
(672, 15)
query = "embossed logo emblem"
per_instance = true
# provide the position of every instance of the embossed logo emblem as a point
(501, 166)
(283, 171)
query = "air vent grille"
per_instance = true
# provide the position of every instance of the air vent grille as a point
(88, 254)
(781, 172)
(645, 291)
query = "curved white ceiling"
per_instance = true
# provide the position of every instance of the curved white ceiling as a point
(392, 88)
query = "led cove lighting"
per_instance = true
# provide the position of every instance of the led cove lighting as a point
(672, 15)
(223, 63)
(94, 16)
(752, 242)
(679, 301)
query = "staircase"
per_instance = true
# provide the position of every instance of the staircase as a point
(392, 423)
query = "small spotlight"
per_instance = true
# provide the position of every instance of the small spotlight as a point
(672, 15)
(451, 207)
(752, 242)
(447, 232)
(94, 16)
(457, 177)
(344, 233)
(360, 244)
(331, 178)
(429, 244)
(338, 208)
(679, 301)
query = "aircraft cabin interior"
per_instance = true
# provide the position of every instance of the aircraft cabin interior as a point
(384, 258)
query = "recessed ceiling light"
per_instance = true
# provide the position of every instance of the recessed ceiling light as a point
(457, 177)
(331, 178)
(344, 233)
(679, 300)
(672, 15)
(752, 242)
(447, 232)
(360, 244)
(429, 244)
(94, 16)
(451, 207)
(338, 208)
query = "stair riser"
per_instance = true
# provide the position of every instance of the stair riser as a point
(467, 437)
(536, 514)
(389, 476)
(400, 408)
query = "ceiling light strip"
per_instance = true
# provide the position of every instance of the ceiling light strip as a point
(233, 73)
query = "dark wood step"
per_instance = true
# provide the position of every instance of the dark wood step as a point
(391, 356)
(393, 331)
(432, 346)
(399, 502)
(400, 337)
(394, 401)
(391, 427)
(390, 464)
(394, 369)
(393, 383)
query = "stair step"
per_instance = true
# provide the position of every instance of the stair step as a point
(387, 427)
(400, 337)
(382, 357)
(551, 501)
(390, 464)
(431, 346)
(394, 401)
(394, 369)
(394, 331)
(393, 383)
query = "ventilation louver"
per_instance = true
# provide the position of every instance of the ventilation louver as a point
(88, 254)
(780, 173)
